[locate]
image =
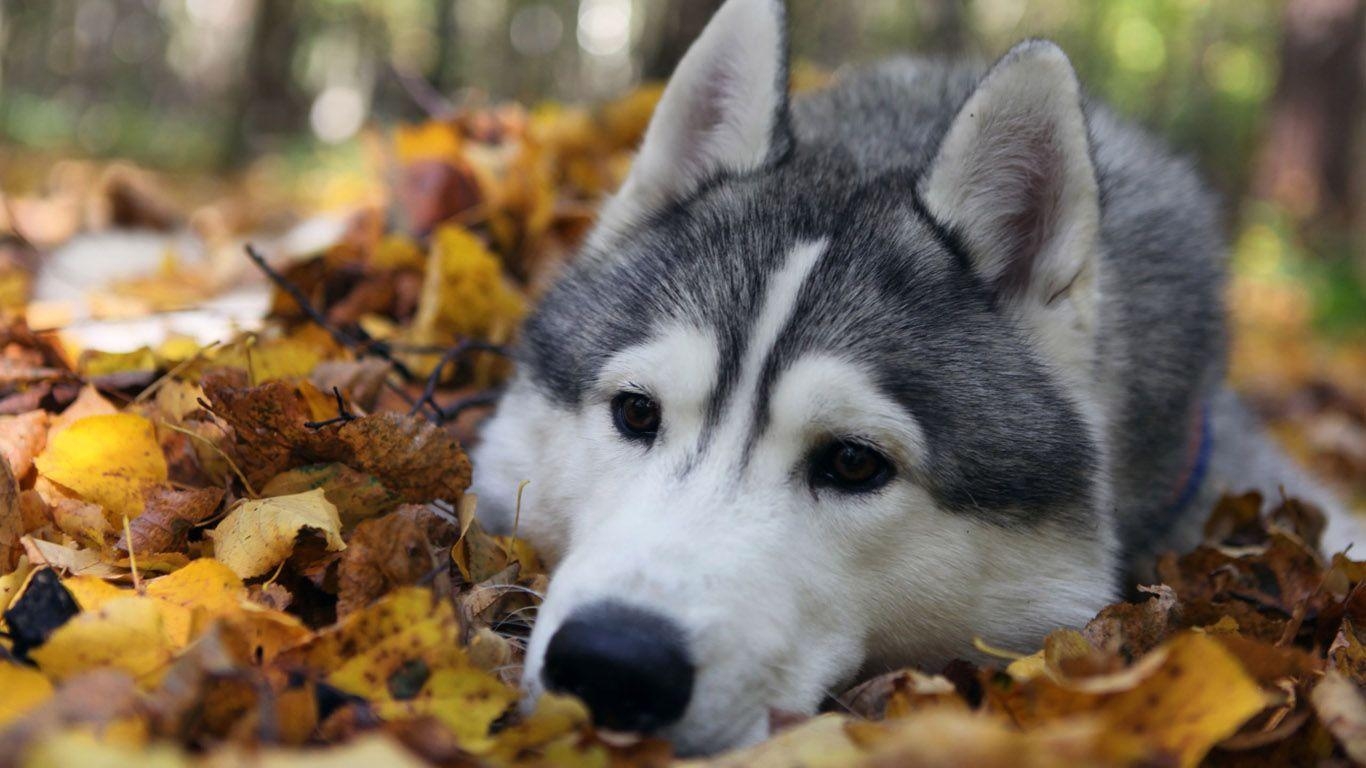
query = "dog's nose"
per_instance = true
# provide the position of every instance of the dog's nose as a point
(631, 667)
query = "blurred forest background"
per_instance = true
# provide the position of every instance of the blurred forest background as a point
(1268, 96)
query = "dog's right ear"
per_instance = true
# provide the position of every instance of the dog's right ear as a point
(723, 111)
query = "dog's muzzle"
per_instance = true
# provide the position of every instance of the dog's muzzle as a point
(630, 666)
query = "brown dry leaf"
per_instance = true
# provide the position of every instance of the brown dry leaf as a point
(268, 422)
(412, 457)
(80, 562)
(357, 496)
(898, 694)
(1132, 629)
(21, 438)
(84, 522)
(169, 516)
(383, 554)
(259, 534)
(11, 519)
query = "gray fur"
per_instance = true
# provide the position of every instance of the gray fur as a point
(895, 289)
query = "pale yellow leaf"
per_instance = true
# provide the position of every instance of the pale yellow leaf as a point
(260, 534)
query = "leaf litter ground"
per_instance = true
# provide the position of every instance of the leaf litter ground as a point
(261, 551)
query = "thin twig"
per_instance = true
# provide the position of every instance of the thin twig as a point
(450, 356)
(476, 400)
(362, 344)
(343, 414)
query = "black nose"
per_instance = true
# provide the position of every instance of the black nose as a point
(631, 667)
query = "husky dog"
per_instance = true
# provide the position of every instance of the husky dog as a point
(839, 385)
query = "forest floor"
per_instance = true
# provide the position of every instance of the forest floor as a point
(234, 527)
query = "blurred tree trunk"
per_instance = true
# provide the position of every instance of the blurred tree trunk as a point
(944, 26)
(1309, 152)
(681, 21)
(442, 75)
(268, 101)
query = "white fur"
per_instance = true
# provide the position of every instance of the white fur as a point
(716, 115)
(983, 177)
(784, 592)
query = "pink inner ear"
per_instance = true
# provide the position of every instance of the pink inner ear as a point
(1029, 171)
(703, 120)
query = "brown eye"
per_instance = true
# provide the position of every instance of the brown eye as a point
(637, 416)
(850, 466)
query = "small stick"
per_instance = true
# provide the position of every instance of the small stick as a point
(450, 356)
(343, 415)
(362, 344)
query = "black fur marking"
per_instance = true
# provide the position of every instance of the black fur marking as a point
(896, 291)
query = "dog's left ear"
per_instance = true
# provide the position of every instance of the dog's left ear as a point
(1013, 178)
(723, 111)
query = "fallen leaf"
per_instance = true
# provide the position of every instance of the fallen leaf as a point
(25, 688)
(411, 456)
(21, 438)
(82, 562)
(12, 527)
(259, 534)
(127, 633)
(1184, 697)
(107, 460)
(168, 518)
(357, 496)
(383, 554)
(89, 402)
(43, 607)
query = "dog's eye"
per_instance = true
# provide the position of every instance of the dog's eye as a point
(850, 466)
(637, 416)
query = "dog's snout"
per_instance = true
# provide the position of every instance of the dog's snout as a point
(631, 667)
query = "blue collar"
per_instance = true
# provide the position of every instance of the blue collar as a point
(1195, 475)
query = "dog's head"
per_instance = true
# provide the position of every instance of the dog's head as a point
(798, 411)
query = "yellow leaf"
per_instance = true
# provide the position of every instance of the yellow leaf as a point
(396, 611)
(79, 747)
(269, 631)
(24, 689)
(260, 534)
(128, 633)
(422, 670)
(397, 251)
(91, 593)
(464, 293)
(11, 582)
(431, 140)
(368, 751)
(94, 363)
(195, 595)
(88, 403)
(1181, 699)
(820, 742)
(106, 459)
